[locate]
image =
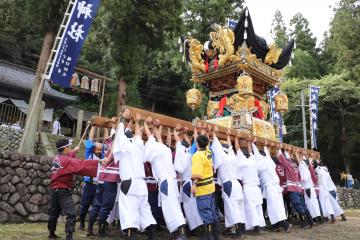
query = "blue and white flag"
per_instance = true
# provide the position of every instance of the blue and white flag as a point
(275, 116)
(314, 104)
(72, 40)
(231, 23)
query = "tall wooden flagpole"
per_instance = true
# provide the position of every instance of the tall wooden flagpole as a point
(29, 136)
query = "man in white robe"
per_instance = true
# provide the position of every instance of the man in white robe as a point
(160, 157)
(324, 195)
(182, 164)
(333, 197)
(272, 189)
(134, 208)
(309, 190)
(232, 192)
(252, 192)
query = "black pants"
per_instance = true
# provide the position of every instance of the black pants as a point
(61, 199)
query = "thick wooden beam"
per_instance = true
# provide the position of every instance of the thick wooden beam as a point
(171, 122)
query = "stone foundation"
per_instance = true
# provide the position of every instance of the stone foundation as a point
(25, 187)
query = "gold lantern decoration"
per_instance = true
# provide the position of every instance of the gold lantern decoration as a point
(281, 102)
(193, 98)
(244, 85)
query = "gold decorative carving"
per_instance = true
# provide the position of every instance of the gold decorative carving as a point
(237, 102)
(195, 51)
(212, 108)
(223, 41)
(265, 108)
(273, 55)
(244, 85)
(263, 129)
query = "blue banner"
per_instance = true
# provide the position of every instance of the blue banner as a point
(314, 104)
(275, 117)
(231, 23)
(72, 40)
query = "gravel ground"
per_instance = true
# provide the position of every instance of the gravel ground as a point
(340, 230)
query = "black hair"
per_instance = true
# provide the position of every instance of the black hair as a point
(245, 152)
(262, 153)
(202, 141)
(276, 160)
(225, 145)
(185, 143)
(315, 163)
(128, 134)
(60, 145)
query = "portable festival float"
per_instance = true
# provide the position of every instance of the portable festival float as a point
(237, 68)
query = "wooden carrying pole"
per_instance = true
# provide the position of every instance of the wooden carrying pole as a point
(171, 122)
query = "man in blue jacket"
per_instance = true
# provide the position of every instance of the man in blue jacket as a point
(93, 150)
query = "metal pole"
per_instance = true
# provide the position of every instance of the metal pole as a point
(303, 118)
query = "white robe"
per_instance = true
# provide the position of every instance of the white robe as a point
(252, 192)
(134, 208)
(232, 192)
(306, 181)
(160, 157)
(334, 202)
(272, 190)
(56, 128)
(324, 195)
(182, 164)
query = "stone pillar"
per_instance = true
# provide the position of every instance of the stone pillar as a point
(80, 117)
(41, 115)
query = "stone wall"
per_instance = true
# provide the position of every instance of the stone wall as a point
(24, 187)
(10, 140)
(348, 198)
(25, 192)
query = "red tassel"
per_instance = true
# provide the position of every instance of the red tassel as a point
(206, 66)
(259, 113)
(222, 104)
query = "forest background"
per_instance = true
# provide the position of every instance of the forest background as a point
(136, 42)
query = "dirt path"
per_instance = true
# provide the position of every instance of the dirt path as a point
(340, 230)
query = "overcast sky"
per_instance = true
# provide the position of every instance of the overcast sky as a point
(318, 12)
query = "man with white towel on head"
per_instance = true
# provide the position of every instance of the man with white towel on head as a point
(160, 157)
(182, 164)
(272, 188)
(308, 185)
(232, 192)
(134, 208)
(252, 192)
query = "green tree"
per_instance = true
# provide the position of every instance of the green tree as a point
(343, 43)
(278, 30)
(338, 132)
(199, 15)
(304, 65)
(302, 34)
